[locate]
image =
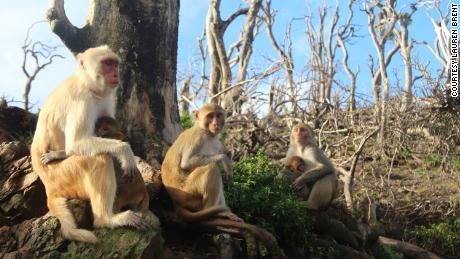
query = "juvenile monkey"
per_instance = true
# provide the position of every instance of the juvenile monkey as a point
(191, 175)
(320, 172)
(130, 194)
(66, 122)
(295, 167)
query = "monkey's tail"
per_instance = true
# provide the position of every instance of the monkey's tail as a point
(240, 228)
(69, 229)
(201, 215)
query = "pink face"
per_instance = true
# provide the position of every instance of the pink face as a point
(109, 69)
(214, 122)
(300, 134)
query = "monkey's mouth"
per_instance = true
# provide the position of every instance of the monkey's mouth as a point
(114, 83)
(214, 130)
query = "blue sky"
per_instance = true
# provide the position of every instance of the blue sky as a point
(18, 15)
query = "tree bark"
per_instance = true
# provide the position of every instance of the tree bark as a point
(144, 34)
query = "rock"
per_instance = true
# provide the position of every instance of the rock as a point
(151, 175)
(10, 151)
(41, 238)
(22, 194)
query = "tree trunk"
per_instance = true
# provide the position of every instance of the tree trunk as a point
(144, 34)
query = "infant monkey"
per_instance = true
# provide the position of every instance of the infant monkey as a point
(296, 166)
(131, 193)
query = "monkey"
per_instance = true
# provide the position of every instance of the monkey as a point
(191, 176)
(107, 127)
(67, 122)
(320, 172)
(295, 166)
(190, 170)
(132, 195)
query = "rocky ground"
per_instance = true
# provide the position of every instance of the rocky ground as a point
(406, 188)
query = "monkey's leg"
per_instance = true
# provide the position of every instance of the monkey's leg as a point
(101, 187)
(208, 181)
(321, 194)
(65, 180)
(58, 208)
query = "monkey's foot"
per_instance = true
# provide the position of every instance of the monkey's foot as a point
(136, 221)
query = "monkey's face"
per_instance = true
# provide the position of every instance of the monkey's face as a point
(300, 134)
(109, 70)
(296, 165)
(214, 122)
(98, 69)
(210, 118)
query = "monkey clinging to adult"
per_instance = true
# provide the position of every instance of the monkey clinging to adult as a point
(191, 175)
(130, 194)
(319, 170)
(295, 167)
(66, 122)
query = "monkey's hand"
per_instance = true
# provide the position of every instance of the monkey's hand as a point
(128, 163)
(299, 183)
(51, 156)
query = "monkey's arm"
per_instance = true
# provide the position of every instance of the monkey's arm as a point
(51, 156)
(80, 141)
(189, 162)
(314, 174)
(191, 159)
(322, 167)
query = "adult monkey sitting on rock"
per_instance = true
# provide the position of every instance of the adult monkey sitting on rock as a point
(66, 122)
(191, 176)
(318, 180)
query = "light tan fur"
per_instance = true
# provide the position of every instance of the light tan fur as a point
(66, 122)
(130, 195)
(190, 170)
(319, 172)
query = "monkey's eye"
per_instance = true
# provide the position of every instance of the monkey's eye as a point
(110, 62)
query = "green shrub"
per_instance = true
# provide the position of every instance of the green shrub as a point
(443, 236)
(454, 163)
(260, 198)
(186, 120)
(433, 160)
(385, 252)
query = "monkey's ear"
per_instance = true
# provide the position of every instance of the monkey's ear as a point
(195, 115)
(80, 61)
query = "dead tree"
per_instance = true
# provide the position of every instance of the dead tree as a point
(233, 98)
(345, 32)
(285, 55)
(405, 44)
(42, 55)
(381, 31)
(348, 177)
(185, 95)
(144, 34)
(220, 77)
